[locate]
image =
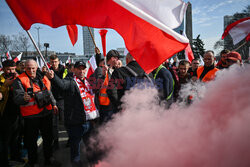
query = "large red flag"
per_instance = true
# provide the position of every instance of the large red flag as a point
(149, 40)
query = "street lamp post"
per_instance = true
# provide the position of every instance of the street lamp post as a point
(38, 28)
(46, 45)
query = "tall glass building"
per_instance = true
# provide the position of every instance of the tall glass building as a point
(88, 45)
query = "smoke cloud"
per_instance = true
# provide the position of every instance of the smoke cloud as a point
(212, 132)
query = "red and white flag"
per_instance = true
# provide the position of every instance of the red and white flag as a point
(18, 58)
(38, 62)
(68, 60)
(238, 30)
(92, 66)
(146, 26)
(8, 56)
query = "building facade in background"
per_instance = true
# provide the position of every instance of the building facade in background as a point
(88, 45)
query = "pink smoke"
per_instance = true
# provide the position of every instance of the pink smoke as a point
(213, 132)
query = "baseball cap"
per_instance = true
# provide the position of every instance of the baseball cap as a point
(79, 63)
(234, 56)
(113, 53)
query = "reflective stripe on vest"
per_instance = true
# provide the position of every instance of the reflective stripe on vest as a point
(210, 75)
(103, 97)
(157, 71)
(31, 107)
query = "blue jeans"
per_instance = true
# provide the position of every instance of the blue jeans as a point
(76, 133)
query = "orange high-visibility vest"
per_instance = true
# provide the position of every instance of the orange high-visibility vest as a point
(209, 76)
(31, 107)
(103, 96)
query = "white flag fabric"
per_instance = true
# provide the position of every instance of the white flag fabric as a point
(201, 61)
(238, 30)
(41, 63)
(92, 62)
(164, 14)
(38, 62)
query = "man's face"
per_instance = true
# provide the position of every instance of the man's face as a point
(102, 64)
(208, 59)
(118, 64)
(8, 70)
(21, 67)
(54, 63)
(195, 64)
(113, 61)
(80, 72)
(31, 68)
(183, 70)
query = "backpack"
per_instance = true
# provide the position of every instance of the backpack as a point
(139, 81)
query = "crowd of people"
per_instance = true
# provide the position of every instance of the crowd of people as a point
(33, 101)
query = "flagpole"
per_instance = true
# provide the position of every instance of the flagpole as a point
(240, 46)
(92, 37)
(38, 50)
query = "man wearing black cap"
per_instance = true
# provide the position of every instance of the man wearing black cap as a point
(99, 81)
(79, 105)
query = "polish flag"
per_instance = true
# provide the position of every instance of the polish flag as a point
(92, 66)
(145, 25)
(238, 30)
(18, 58)
(68, 60)
(8, 56)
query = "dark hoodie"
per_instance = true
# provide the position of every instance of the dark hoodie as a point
(55, 91)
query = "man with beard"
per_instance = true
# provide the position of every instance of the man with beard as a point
(207, 72)
(222, 63)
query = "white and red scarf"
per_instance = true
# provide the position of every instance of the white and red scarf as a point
(87, 99)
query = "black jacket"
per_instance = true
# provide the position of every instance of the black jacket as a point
(164, 83)
(118, 83)
(74, 108)
(56, 92)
